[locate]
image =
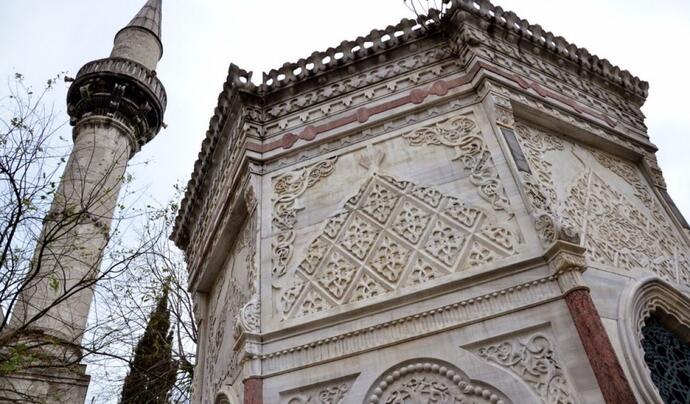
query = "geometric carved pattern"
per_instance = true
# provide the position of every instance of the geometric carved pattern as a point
(632, 176)
(667, 356)
(431, 382)
(619, 231)
(462, 134)
(535, 361)
(392, 234)
(620, 235)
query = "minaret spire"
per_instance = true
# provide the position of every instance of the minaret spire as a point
(116, 106)
(149, 17)
(140, 40)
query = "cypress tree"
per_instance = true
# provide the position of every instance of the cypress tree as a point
(153, 370)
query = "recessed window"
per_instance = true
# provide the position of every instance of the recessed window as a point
(667, 354)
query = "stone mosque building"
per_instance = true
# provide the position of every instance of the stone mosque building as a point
(463, 208)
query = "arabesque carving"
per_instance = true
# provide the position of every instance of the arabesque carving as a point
(632, 176)
(330, 392)
(431, 381)
(621, 235)
(462, 134)
(379, 244)
(535, 361)
(286, 189)
(289, 186)
(539, 187)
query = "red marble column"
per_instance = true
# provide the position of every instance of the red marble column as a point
(253, 391)
(608, 371)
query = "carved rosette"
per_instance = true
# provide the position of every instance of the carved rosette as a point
(462, 134)
(249, 318)
(430, 381)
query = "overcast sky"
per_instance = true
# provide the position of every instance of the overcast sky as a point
(42, 37)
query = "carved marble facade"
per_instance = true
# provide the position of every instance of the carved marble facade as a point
(427, 215)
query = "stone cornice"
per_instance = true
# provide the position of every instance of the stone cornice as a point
(432, 93)
(449, 316)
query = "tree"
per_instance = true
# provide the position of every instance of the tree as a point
(153, 371)
(123, 304)
(136, 259)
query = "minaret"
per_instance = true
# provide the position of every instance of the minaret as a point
(116, 106)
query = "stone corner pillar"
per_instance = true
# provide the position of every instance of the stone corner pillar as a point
(567, 261)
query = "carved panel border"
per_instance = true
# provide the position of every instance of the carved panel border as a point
(440, 87)
(286, 189)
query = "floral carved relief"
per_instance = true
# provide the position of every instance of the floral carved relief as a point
(539, 186)
(535, 361)
(632, 176)
(625, 229)
(462, 134)
(376, 246)
(286, 189)
(331, 392)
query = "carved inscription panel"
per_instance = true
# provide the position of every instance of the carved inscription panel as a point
(608, 200)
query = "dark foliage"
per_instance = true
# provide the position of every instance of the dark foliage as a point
(153, 370)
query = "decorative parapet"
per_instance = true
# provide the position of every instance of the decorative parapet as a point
(377, 41)
(119, 88)
(521, 29)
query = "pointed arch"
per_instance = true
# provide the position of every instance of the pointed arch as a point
(646, 297)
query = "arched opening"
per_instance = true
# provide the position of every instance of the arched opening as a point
(654, 331)
(666, 346)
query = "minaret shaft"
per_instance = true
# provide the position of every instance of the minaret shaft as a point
(139, 45)
(76, 231)
(116, 105)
